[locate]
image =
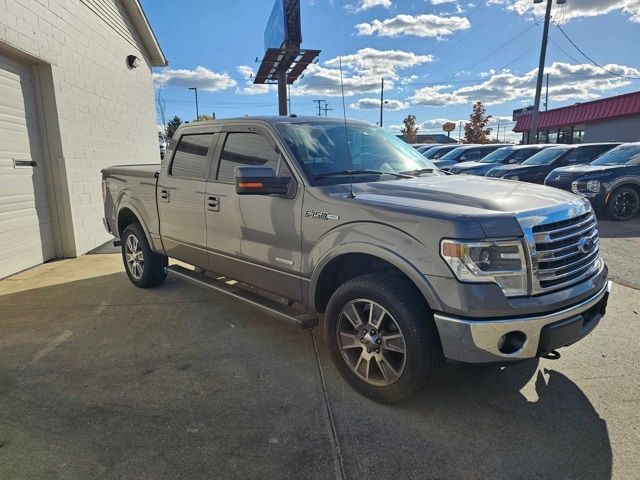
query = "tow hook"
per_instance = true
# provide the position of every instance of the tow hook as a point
(552, 355)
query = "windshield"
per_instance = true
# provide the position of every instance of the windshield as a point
(453, 154)
(437, 152)
(321, 149)
(624, 154)
(546, 156)
(497, 155)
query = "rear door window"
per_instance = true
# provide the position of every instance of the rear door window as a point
(190, 159)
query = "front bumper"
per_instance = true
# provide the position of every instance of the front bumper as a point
(478, 341)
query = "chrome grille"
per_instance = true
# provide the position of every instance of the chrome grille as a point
(567, 251)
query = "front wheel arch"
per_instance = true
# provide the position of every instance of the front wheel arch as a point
(327, 276)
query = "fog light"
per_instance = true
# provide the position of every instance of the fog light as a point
(511, 342)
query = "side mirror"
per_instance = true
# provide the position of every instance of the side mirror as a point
(260, 181)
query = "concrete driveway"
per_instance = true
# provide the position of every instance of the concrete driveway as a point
(99, 379)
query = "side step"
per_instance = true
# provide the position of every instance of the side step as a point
(230, 287)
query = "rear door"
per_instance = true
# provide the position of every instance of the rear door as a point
(253, 238)
(181, 197)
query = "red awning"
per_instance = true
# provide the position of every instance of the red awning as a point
(589, 112)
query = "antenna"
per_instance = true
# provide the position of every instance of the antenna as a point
(346, 134)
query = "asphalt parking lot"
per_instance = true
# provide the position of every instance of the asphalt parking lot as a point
(99, 379)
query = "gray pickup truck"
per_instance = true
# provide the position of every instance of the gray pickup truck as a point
(310, 218)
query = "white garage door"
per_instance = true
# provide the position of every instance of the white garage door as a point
(25, 222)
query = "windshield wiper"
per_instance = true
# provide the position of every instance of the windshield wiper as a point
(418, 171)
(360, 172)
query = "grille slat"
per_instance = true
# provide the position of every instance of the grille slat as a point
(560, 250)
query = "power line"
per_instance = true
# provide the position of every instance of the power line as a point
(589, 58)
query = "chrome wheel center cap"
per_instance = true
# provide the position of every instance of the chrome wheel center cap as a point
(370, 340)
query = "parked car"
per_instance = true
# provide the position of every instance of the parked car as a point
(466, 153)
(421, 146)
(611, 182)
(303, 218)
(536, 168)
(435, 153)
(162, 140)
(428, 146)
(513, 154)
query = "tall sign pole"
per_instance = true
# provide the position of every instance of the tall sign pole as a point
(543, 54)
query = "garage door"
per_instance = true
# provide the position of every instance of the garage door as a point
(25, 221)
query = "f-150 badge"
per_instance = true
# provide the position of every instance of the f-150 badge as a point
(321, 215)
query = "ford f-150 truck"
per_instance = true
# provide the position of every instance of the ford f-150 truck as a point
(310, 219)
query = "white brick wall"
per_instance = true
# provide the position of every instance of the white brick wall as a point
(106, 112)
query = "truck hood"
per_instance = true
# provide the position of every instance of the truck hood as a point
(443, 196)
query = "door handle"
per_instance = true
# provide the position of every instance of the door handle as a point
(164, 195)
(213, 203)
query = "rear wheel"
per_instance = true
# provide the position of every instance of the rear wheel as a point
(382, 337)
(623, 204)
(144, 267)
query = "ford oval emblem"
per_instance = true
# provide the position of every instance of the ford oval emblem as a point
(585, 244)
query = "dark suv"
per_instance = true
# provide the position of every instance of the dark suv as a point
(466, 153)
(611, 182)
(505, 156)
(536, 168)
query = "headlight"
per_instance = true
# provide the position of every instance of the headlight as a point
(590, 186)
(501, 262)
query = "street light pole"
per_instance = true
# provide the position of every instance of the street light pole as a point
(195, 89)
(543, 54)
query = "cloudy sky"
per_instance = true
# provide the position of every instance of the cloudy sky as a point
(436, 56)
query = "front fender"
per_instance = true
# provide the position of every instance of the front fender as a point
(397, 248)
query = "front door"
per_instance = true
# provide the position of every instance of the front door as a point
(181, 199)
(253, 238)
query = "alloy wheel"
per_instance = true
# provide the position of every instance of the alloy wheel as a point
(134, 256)
(371, 342)
(625, 205)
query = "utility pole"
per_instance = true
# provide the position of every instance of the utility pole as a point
(498, 133)
(546, 95)
(381, 100)
(460, 133)
(533, 131)
(289, 96)
(322, 106)
(195, 89)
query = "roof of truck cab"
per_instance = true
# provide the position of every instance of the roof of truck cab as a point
(277, 119)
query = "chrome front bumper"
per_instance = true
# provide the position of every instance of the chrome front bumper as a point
(478, 341)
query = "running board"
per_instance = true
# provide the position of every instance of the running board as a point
(230, 287)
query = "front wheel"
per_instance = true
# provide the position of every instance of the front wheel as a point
(623, 204)
(382, 337)
(144, 267)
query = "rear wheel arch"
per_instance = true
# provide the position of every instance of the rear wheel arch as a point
(352, 260)
(129, 215)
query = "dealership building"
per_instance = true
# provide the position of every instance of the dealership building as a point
(613, 119)
(76, 95)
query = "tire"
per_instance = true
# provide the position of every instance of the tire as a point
(401, 318)
(144, 267)
(623, 204)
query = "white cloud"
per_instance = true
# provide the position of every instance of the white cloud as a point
(252, 88)
(577, 8)
(319, 80)
(442, 2)
(380, 63)
(426, 25)
(570, 82)
(374, 104)
(363, 5)
(362, 72)
(201, 78)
